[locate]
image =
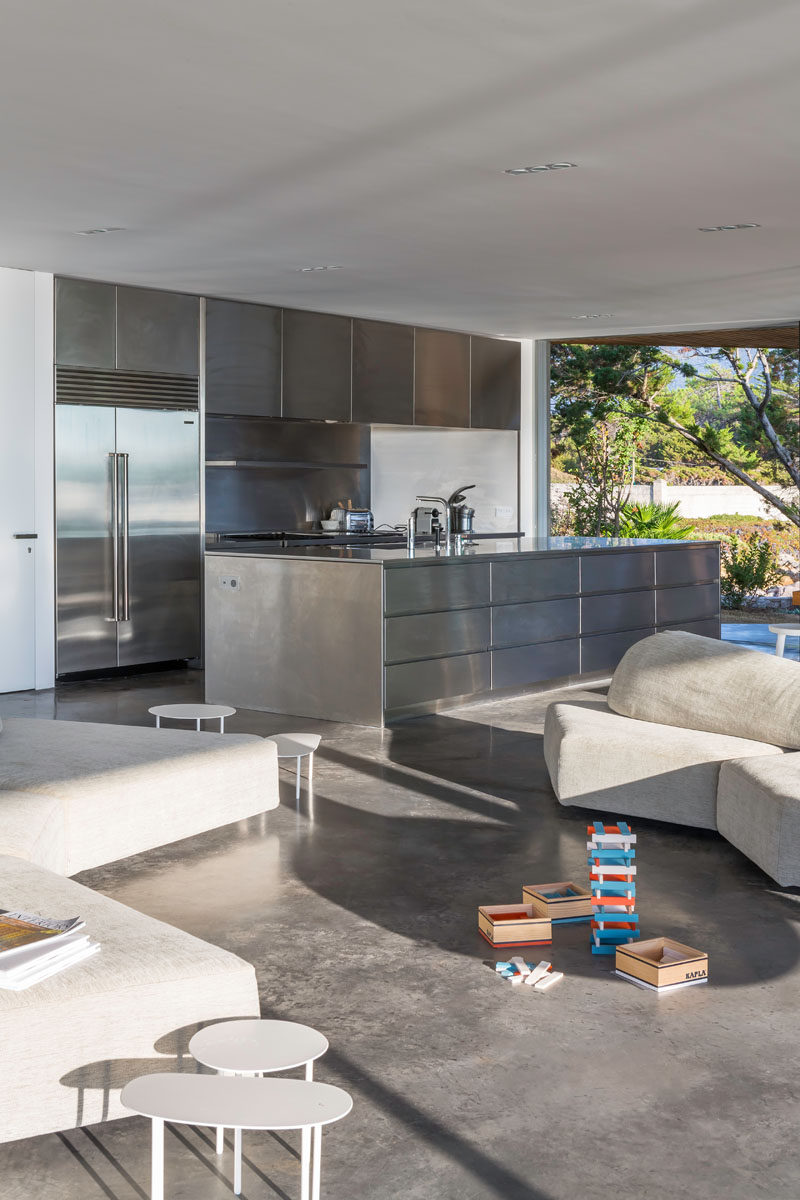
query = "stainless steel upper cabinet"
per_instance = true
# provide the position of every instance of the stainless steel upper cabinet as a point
(157, 331)
(383, 373)
(243, 359)
(160, 486)
(85, 323)
(316, 366)
(87, 600)
(494, 383)
(441, 379)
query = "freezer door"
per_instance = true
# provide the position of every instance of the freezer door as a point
(160, 557)
(86, 634)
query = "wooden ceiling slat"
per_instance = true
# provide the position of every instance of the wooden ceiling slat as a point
(774, 337)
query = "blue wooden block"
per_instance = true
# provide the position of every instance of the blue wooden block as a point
(603, 949)
(613, 889)
(604, 914)
(501, 966)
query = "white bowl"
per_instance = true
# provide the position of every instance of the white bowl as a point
(329, 526)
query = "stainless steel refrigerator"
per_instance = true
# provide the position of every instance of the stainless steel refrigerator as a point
(128, 548)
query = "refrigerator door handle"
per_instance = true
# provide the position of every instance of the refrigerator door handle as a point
(126, 591)
(115, 532)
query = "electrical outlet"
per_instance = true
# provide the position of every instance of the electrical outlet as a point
(231, 583)
(503, 510)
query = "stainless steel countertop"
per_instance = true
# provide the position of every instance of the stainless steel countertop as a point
(497, 548)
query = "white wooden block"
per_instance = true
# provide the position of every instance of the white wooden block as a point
(521, 965)
(538, 972)
(548, 980)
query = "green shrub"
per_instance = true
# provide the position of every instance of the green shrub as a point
(653, 521)
(749, 566)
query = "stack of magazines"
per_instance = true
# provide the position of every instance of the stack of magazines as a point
(33, 948)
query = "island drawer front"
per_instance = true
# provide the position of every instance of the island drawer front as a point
(708, 628)
(603, 653)
(687, 603)
(534, 664)
(437, 679)
(431, 635)
(516, 582)
(695, 564)
(625, 610)
(542, 621)
(604, 572)
(436, 588)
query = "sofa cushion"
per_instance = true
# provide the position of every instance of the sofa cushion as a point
(71, 1042)
(125, 788)
(32, 827)
(693, 682)
(601, 760)
(758, 809)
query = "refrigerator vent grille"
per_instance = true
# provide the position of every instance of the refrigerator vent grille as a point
(77, 385)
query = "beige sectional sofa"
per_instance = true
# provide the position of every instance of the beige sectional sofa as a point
(74, 796)
(694, 731)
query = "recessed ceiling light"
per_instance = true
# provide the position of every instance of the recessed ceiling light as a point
(100, 229)
(553, 166)
(726, 228)
(590, 316)
(330, 267)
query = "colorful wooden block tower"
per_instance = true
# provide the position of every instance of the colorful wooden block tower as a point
(612, 882)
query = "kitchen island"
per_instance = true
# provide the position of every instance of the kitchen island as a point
(369, 635)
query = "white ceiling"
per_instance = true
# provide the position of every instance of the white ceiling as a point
(239, 141)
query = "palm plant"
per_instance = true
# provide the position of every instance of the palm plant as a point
(653, 521)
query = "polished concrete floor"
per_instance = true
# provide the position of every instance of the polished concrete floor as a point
(358, 909)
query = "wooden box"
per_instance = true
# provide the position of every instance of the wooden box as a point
(561, 902)
(513, 925)
(662, 964)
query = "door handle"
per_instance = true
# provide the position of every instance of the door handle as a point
(115, 531)
(24, 536)
(126, 594)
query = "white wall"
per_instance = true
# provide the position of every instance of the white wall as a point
(407, 462)
(701, 500)
(27, 628)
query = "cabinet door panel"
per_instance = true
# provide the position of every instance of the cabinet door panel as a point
(436, 589)
(603, 572)
(603, 653)
(85, 318)
(494, 384)
(383, 373)
(534, 579)
(441, 379)
(437, 679)
(542, 621)
(157, 331)
(433, 635)
(696, 564)
(316, 366)
(534, 664)
(243, 359)
(623, 610)
(674, 605)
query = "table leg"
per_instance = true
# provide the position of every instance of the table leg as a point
(305, 1161)
(780, 644)
(237, 1162)
(157, 1163)
(310, 769)
(297, 783)
(197, 724)
(220, 1139)
(222, 724)
(317, 1168)
(310, 1070)
(158, 722)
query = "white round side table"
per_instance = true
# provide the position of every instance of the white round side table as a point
(297, 745)
(256, 1048)
(240, 1104)
(192, 712)
(781, 633)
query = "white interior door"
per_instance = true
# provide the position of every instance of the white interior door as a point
(17, 474)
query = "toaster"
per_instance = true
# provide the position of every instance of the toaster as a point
(353, 520)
